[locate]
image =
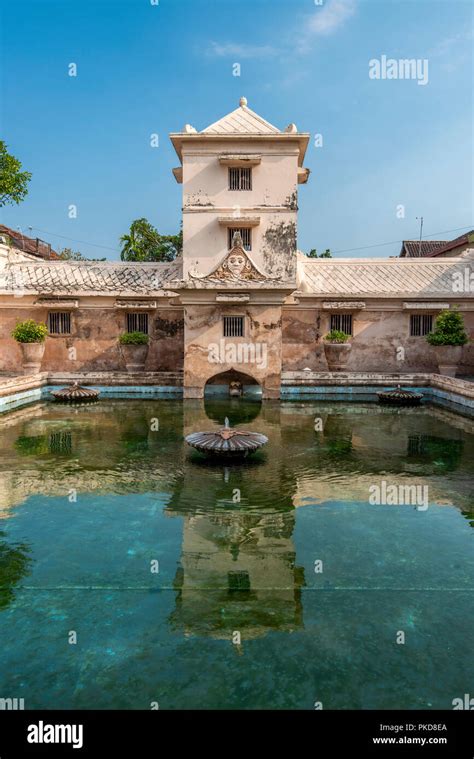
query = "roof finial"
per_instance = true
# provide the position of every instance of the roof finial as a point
(237, 241)
(242, 102)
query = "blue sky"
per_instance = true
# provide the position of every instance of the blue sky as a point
(144, 68)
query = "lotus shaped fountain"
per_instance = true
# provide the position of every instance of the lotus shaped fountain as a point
(75, 394)
(226, 441)
(400, 397)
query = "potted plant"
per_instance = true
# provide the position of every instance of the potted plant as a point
(135, 349)
(337, 350)
(447, 339)
(31, 336)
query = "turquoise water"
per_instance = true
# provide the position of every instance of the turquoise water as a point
(234, 614)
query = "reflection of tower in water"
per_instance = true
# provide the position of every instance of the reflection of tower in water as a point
(238, 573)
(237, 569)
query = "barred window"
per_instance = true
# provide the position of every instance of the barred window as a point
(342, 322)
(245, 233)
(421, 324)
(233, 326)
(240, 179)
(137, 323)
(59, 323)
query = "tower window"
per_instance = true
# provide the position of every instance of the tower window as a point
(245, 233)
(240, 179)
(420, 324)
(137, 323)
(233, 326)
(342, 322)
(59, 323)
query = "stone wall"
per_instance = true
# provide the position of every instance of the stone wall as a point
(272, 200)
(94, 337)
(377, 336)
(204, 343)
(293, 341)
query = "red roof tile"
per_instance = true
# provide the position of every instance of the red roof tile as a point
(32, 245)
(415, 249)
(430, 248)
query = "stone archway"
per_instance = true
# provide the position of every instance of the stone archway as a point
(218, 384)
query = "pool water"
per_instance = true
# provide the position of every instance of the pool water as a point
(134, 573)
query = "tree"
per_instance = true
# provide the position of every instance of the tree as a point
(145, 243)
(13, 182)
(68, 254)
(449, 329)
(313, 253)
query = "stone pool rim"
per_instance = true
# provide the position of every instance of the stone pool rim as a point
(455, 393)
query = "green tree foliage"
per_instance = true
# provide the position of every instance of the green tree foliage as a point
(313, 253)
(144, 243)
(449, 329)
(13, 181)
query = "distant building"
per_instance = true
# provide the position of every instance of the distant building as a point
(432, 248)
(32, 246)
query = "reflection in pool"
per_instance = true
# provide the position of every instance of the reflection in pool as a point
(268, 583)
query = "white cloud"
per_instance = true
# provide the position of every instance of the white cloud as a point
(325, 20)
(329, 17)
(236, 50)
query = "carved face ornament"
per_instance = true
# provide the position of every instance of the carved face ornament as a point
(236, 267)
(236, 264)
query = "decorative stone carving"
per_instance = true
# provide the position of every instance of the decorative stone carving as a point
(65, 304)
(232, 297)
(237, 266)
(423, 306)
(343, 305)
(135, 305)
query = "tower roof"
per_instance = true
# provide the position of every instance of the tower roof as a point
(241, 124)
(242, 121)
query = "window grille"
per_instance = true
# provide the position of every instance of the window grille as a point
(420, 324)
(233, 326)
(137, 323)
(59, 323)
(240, 179)
(342, 322)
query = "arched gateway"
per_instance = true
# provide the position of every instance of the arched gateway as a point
(232, 383)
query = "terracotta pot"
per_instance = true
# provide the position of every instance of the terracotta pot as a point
(337, 355)
(135, 357)
(32, 357)
(448, 358)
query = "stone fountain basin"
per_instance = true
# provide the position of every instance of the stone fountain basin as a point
(226, 441)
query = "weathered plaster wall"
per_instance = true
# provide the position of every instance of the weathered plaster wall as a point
(293, 341)
(273, 198)
(377, 336)
(94, 337)
(204, 327)
(301, 346)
